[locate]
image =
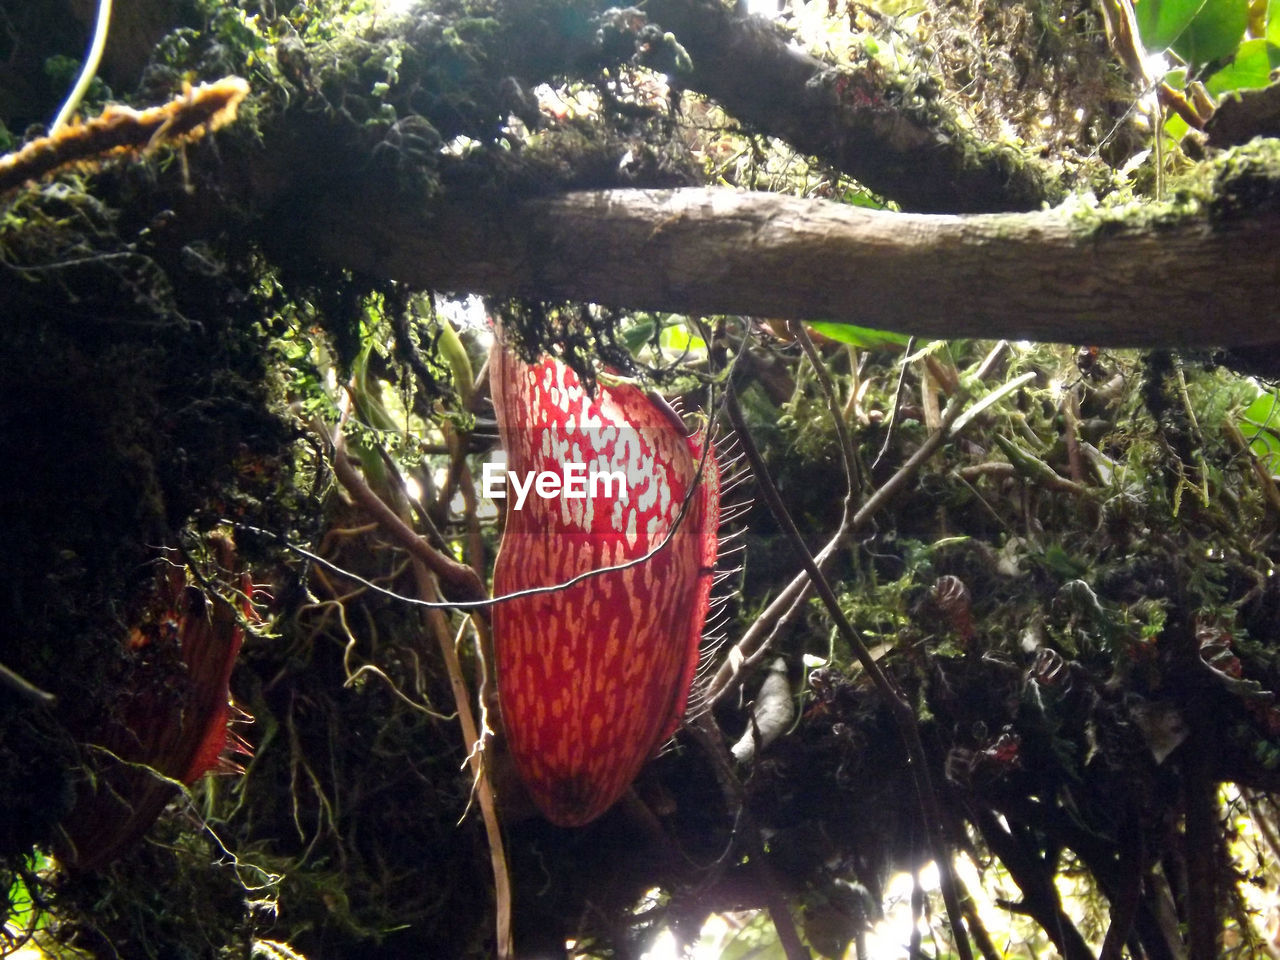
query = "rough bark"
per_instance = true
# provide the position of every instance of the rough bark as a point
(1196, 280)
(1245, 115)
(1191, 280)
(852, 119)
(893, 133)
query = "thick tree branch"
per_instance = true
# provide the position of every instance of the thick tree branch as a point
(850, 117)
(891, 132)
(1195, 279)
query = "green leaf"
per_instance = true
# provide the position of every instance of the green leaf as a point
(1161, 22)
(1263, 412)
(757, 940)
(864, 337)
(1175, 128)
(1250, 69)
(1062, 563)
(637, 335)
(1199, 31)
(1215, 32)
(1261, 423)
(861, 198)
(1273, 21)
(680, 340)
(24, 911)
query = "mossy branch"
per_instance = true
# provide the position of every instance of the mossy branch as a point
(122, 131)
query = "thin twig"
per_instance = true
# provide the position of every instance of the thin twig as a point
(946, 377)
(428, 565)
(712, 741)
(1263, 818)
(902, 711)
(1263, 475)
(993, 397)
(989, 362)
(472, 737)
(1070, 435)
(470, 505)
(847, 453)
(462, 580)
(897, 402)
(15, 683)
(755, 642)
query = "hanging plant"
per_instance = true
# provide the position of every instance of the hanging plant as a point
(174, 722)
(595, 676)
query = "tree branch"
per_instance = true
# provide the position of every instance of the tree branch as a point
(1035, 879)
(1046, 276)
(463, 582)
(1203, 856)
(1126, 900)
(850, 117)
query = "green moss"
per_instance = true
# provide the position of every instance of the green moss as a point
(1245, 182)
